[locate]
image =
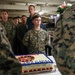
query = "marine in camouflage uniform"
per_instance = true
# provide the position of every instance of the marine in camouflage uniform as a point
(64, 42)
(9, 65)
(36, 38)
(10, 30)
(9, 26)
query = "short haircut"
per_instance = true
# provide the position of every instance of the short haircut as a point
(32, 6)
(4, 11)
(24, 16)
(35, 16)
(15, 18)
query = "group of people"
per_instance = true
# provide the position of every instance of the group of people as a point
(16, 31)
(29, 36)
(22, 30)
(33, 37)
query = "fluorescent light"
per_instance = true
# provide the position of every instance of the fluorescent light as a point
(41, 13)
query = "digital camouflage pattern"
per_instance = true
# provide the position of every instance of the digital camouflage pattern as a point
(64, 42)
(10, 30)
(9, 65)
(36, 40)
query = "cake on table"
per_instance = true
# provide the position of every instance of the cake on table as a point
(33, 63)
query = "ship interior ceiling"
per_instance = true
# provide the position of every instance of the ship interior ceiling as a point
(45, 8)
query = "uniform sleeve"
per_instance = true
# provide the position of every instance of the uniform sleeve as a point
(8, 63)
(13, 31)
(26, 39)
(63, 45)
(5, 47)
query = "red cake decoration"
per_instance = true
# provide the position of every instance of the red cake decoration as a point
(25, 58)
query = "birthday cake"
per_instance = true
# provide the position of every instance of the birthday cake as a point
(35, 63)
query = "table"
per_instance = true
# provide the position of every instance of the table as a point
(57, 72)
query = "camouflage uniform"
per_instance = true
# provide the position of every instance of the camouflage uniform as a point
(10, 29)
(35, 40)
(64, 42)
(9, 65)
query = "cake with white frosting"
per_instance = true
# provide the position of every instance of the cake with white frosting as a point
(35, 63)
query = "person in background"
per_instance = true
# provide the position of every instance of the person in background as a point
(9, 65)
(0, 18)
(9, 26)
(19, 19)
(16, 22)
(64, 42)
(21, 31)
(29, 19)
(36, 38)
(15, 39)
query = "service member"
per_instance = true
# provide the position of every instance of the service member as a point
(36, 38)
(64, 42)
(9, 65)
